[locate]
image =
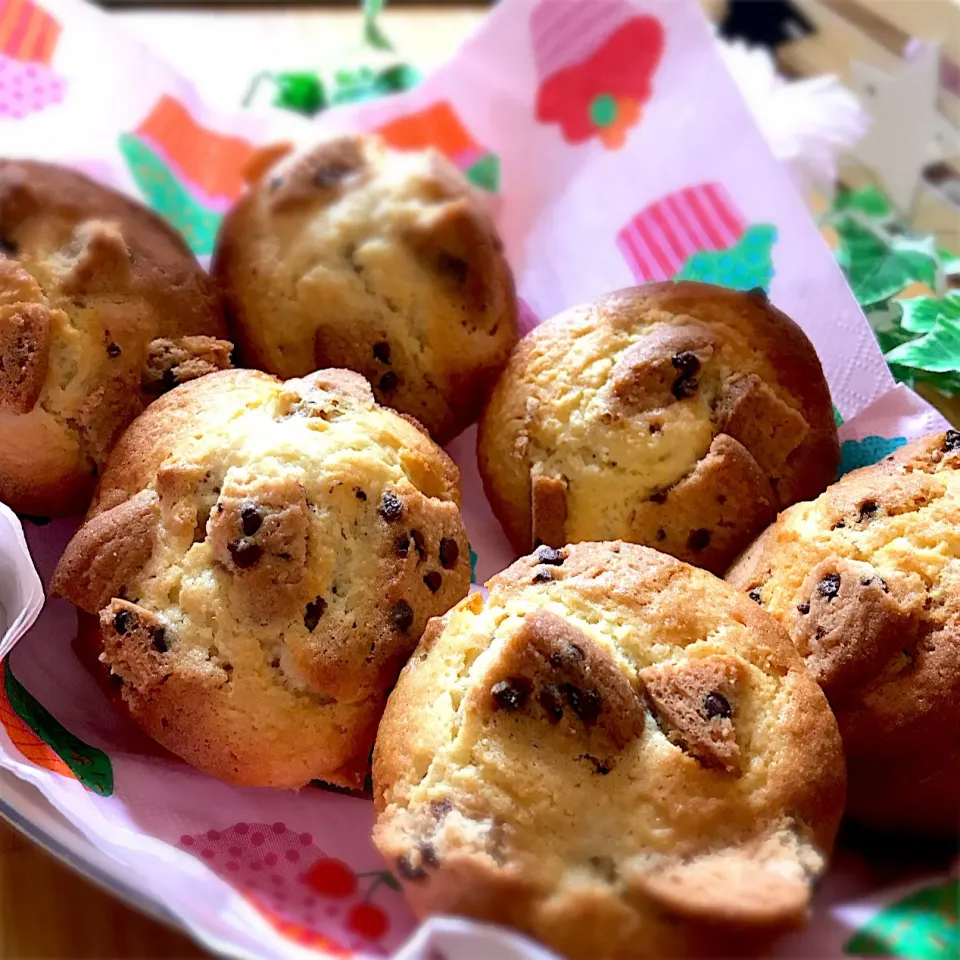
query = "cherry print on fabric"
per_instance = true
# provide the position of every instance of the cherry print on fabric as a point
(313, 899)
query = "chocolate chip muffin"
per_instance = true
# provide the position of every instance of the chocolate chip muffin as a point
(263, 557)
(866, 579)
(102, 308)
(354, 255)
(677, 415)
(615, 753)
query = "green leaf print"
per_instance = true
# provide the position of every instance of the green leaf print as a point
(89, 765)
(744, 266)
(168, 197)
(922, 926)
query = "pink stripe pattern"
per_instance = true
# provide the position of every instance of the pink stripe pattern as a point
(663, 236)
(566, 32)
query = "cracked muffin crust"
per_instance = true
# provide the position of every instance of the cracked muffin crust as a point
(102, 307)
(866, 580)
(263, 557)
(616, 753)
(682, 416)
(354, 255)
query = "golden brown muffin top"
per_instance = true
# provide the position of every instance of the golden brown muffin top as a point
(679, 415)
(612, 744)
(102, 307)
(264, 557)
(865, 579)
(385, 262)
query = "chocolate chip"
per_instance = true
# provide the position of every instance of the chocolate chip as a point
(549, 698)
(113, 350)
(8, 246)
(829, 586)
(542, 575)
(511, 694)
(449, 553)
(754, 594)
(402, 545)
(660, 496)
(122, 621)
(598, 766)
(687, 364)
(661, 534)
(391, 507)
(332, 174)
(698, 540)
(453, 266)
(428, 855)
(867, 509)
(757, 293)
(586, 704)
(433, 580)
(716, 705)
(408, 871)
(655, 427)
(250, 519)
(389, 382)
(402, 616)
(158, 637)
(359, 494)
(244, 553)
(550, 556)
(569, 653)
(951, 441)
(381, 351)
(803, 608)
(313, 612)
(420, 544)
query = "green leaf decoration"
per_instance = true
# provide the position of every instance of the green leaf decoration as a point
(869, 201)
(168, 197)
(936, 352)
(837, 416)
(878, 268)
(473, 564)
(372, 33)
(485, 173)
(88, 764)
(746, 265)
(300, 92)
(399, 77)
(921, 926)
(921, 314)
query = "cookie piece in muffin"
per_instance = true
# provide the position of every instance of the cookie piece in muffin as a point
(616, 753)
(102, 308)
(866, 580)
(263, 557)
(355, 255)
(677, 415)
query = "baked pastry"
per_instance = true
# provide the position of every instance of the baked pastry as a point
(677, 415)
(354, 255)
(263, 557)
(866, 579)
(102, 307)
(617, 754)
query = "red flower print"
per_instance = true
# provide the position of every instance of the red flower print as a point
(603, 95)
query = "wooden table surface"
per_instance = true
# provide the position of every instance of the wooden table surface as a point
(46, 911)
